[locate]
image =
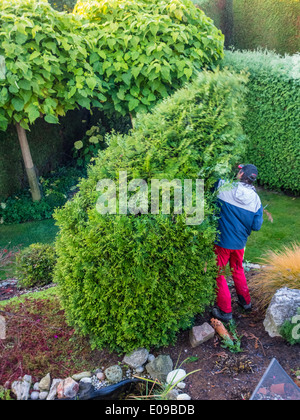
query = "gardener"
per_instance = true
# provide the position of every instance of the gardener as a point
(240, 213)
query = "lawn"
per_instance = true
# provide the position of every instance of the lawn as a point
(284, 230)
(24, 234)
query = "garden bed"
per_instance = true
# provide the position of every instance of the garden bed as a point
(223, 375)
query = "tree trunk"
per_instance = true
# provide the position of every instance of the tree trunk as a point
(32, 178)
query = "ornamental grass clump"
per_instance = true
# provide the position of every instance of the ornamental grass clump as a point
(132, 280)
(280, 269)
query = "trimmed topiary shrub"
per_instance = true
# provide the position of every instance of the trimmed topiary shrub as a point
(272, 124)
(134, 280)
(35, 265)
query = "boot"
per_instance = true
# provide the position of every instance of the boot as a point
(222, 316)
(243, 304)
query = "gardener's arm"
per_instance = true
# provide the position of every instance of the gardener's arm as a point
(258, 219)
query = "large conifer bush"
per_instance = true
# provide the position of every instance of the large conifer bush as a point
(136, 280)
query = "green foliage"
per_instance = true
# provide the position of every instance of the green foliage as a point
(232, 344)
(47, 72)
(272, 124)
(86, 149)
(287, 331)
(272, 24)
(5, 394)
(35, 265)
(20, 208)
(136, 280)
(147, 49)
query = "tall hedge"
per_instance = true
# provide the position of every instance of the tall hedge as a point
(250, 24)
(273, 118)
(132, 280)
(272, 24)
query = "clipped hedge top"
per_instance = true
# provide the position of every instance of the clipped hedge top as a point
(270, 63)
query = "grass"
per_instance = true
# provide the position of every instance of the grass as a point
(25, 234)
(284, 230)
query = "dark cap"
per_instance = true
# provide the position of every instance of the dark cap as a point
(250, 171)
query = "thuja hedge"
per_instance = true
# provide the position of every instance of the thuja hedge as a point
(272, 125)
(135, 280)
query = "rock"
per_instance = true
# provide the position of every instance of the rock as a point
(101, 376)
(85, 387)
(200, 334)
(151, 357)
(137, 358)
(139, 369)
(21, 388)
(2, 328)
(79, 376)
(183, 397)
(283, 306)
(181, 385)
(34, 395)
(53, 389)
(175, 376)
(160, 367)
(67, 388)
(43, 395)
(45, 383)
(36, 386)
(114, 374)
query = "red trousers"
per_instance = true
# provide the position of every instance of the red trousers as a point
(235, 259)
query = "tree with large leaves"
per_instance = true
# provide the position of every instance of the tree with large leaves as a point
(47, 70)
(146, 49)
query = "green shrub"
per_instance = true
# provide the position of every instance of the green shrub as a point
(272, 24)
(147, 49)
(35, 265)
(135, 280)
(272, 124)
(56, 187)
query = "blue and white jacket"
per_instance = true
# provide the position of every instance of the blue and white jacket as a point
(241, 212)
